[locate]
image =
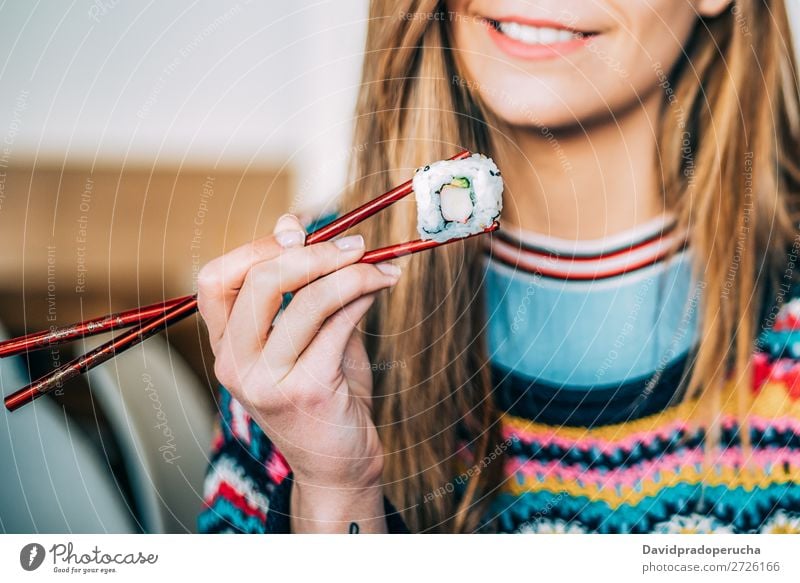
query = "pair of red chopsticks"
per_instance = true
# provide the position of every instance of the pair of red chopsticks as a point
(152, 319)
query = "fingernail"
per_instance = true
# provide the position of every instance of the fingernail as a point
(288, 239)
(389, 269)
(287, 216)
(289, 222)
(350, 243)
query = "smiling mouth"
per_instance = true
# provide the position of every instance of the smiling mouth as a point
(537, 34)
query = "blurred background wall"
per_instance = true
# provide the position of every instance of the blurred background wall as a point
(138, 140)
(200, 82)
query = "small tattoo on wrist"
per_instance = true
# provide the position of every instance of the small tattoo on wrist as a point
(354, 528)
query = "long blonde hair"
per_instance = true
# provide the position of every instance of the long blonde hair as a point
(737, 86)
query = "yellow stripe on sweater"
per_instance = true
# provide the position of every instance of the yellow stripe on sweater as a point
(726, 476)
(772, 401)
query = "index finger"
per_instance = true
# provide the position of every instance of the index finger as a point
(220, 280)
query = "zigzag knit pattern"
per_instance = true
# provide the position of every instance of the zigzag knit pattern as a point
(646, 475)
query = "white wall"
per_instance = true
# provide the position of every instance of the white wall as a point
(179, 80)
(794, 15)
(197, 81)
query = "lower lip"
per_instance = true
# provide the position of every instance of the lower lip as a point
(537, 52)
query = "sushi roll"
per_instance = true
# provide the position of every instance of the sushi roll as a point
(457, 198)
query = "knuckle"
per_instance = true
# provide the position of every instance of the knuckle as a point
(354, 278)
(223, 372)
(304, 301)
(261, 276)
(303, 398)
(290, 267)
(265, 247)
(373, 274)
(329, 293)
(308, 301)
(262, 401)
(312, 261)
(322, 257)
(208, 278)
(263, 392)
(323, 252)
(225, 367)
(347, 290)
(366, 271)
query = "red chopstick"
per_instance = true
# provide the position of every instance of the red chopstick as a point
(64, 334)
(173, 314)
(156, 317)
(97, 356)
(401, 249)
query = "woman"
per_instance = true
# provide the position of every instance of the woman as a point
(619, 357)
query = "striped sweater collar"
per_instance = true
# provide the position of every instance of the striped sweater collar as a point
(588, 259)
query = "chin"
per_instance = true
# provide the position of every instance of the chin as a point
(526, 101)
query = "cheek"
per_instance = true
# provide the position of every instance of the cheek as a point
(650, 45)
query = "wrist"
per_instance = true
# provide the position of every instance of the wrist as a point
(329, 509)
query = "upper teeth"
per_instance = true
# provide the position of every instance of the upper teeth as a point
(536, 34)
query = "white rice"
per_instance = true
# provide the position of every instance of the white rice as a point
(486, 190)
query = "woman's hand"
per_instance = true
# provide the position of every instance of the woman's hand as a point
(303, 375)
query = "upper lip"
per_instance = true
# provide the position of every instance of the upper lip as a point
(538, 22)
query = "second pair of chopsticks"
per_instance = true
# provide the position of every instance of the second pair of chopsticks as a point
(152, 319)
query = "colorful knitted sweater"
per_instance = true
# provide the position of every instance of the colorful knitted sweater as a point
(590, 344)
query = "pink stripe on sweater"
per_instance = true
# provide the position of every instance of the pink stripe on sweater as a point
(628, 441)
(276, 466)
(632, 476)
